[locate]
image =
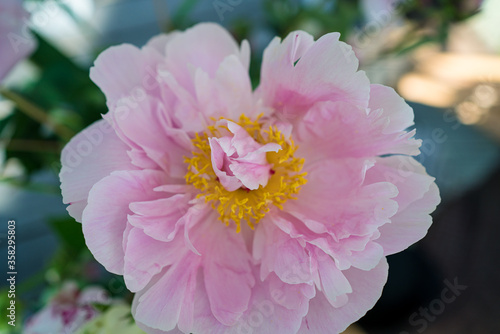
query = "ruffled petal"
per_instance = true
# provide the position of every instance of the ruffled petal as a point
(299, 72)
(160, 219)
(366, 286)
(337, 200)
(90, 156)
(228, 94)
(126, 71)
(160, 304)
(279, 253)
(145, 257)
(226, 270)
(239, 160)
(410, 225)
(399, 113)
(203, 46)
(104, 219)
(147, 127)
(220, 165)
(159, 42)
(150, 330)
(265, 314)
(227, 278)
(406, 173)
(333, 283)
(291, 296)
(343, 130)
(418, 197)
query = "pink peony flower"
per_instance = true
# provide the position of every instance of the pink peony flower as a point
(16, 42)
(232, 211)
(67, 311)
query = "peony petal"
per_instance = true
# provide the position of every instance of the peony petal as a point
(159, 42)
(150, 330)
(145, 257)
(407, 174)
(267, 317)
(227, 271)
(161, 218)
(75, 209)
(105, 217)
(291, 296)
(263, 315)
(333, 282)
(90, 156)
(367, 258)
(299, 72)
(252, 176)
(229, 94)
(366, 286)
(283, 255)
(219, 161)
(409, 225)
(125, 71)
(185, 111)
(174, 285)
(394, 108)
(343, 81)
(277, 68)
(417, 197)
(146, 126)
(203, 46)
(335, 199)
(343, 130)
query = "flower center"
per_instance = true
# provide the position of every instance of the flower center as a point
(243, 169)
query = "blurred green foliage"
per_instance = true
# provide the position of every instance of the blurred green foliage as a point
(320, 17)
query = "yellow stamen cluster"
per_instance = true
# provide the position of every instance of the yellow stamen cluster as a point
(251, 206)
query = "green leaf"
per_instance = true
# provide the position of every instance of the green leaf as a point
(69, 232)
(180, 19)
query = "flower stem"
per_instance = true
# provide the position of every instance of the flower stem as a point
(37, 114)
(29, 145)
